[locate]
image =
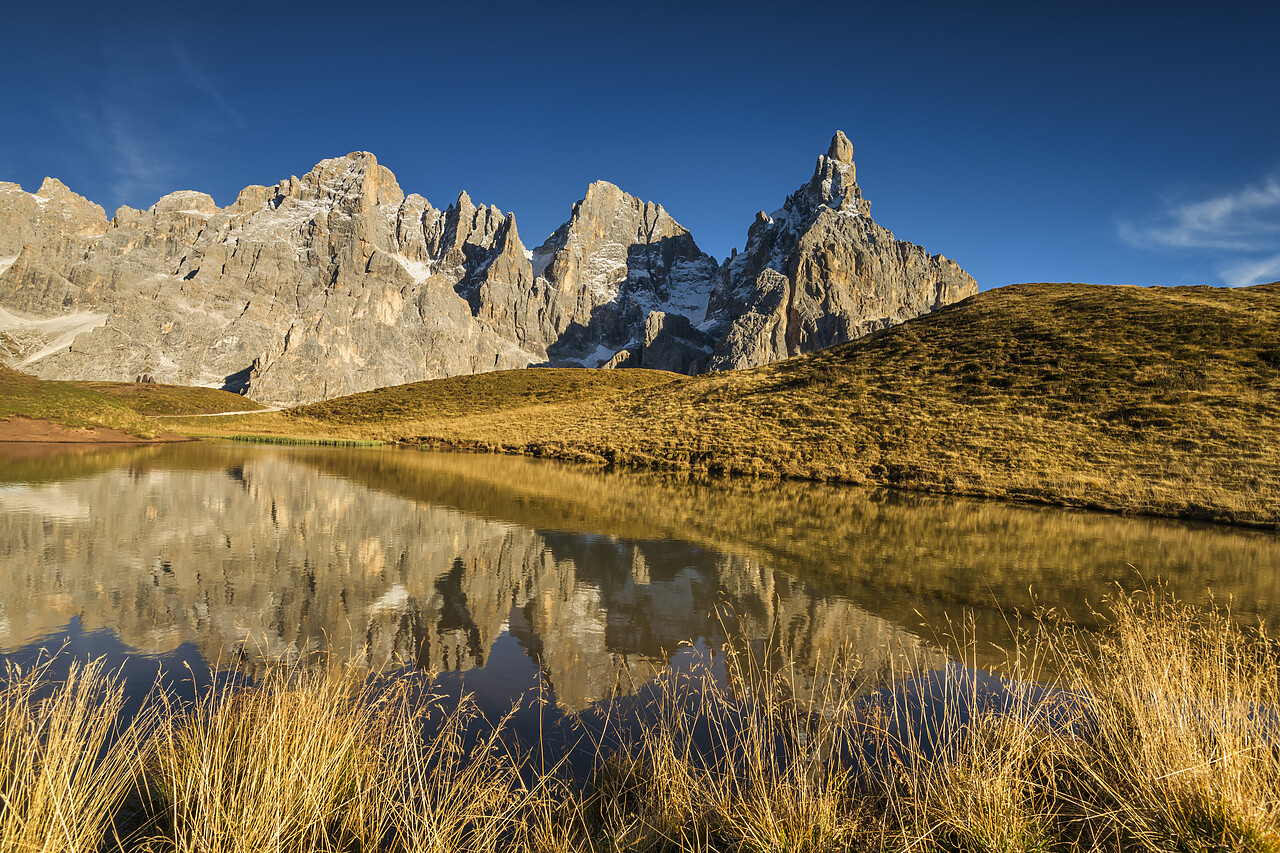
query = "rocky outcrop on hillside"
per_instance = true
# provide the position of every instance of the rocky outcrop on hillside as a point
(819, 272)
(338, 282)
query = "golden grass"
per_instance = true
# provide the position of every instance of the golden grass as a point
(66, 767)
(68, 404)
(1152, 400)
(277, 767)
(1161, 734)
(156, 399)
(1183, 750)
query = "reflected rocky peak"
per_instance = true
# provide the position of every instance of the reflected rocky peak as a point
(273, 554)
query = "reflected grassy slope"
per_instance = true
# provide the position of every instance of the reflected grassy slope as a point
(909, 558)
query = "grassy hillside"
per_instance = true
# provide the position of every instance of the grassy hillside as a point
(148, 398)
(1162, 400)
(126, 407)
(69, 405)
(480, 395)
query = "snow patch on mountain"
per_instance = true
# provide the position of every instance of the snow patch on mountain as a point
(420, 271)
(604, 272)
(540, 260)
(55, 333)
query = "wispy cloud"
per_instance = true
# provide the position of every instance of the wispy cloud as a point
(140, 167)
(145, 124)
(203, 83)
(1253, 272)
(1238, 225)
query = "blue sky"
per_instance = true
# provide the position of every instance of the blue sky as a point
(1107, 143)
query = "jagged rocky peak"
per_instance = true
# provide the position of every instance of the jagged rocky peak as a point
(469, 228)
(186, 202)
(53, 221)
(356, 177)
(841, 149)
(608, 239)
(834, 183)
(338, 282)
(819, 271)
(614, 261)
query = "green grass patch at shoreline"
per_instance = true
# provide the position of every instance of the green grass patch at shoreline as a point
(305, 441)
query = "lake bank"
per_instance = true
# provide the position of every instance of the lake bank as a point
(23, 430)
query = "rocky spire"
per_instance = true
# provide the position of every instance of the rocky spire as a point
(841, 149)
(820, 272)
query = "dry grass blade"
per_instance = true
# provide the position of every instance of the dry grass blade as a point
(66, 762)
(282, 766)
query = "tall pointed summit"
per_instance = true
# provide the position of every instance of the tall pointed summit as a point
(819, 271)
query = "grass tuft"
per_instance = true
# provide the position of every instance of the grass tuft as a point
(67, 764)
(1161, 732)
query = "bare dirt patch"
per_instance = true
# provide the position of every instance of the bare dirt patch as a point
(39, 430)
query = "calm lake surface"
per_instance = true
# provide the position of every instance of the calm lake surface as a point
(508, 574)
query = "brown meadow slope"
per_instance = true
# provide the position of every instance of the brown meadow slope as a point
(1142, 400)
(1154, 400)
(38, 410)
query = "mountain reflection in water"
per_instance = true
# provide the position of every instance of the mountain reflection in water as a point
(534, 572)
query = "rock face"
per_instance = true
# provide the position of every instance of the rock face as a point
(338, 282)
(316, 287)
(616, 260)
(819, 272)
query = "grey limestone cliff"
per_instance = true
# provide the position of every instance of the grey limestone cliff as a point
(338, 282)
(819, 271)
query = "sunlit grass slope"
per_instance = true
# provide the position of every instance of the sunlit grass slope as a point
(124, 406)
(149, 398)
(1160, 400)
(409, 412)
(480, 395)
(68, 404)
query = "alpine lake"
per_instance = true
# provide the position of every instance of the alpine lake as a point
(508, 577)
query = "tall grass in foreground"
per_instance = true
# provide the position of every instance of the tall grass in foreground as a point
(1161, 733)
(1182, 750)
(66, 766)
(329, 760)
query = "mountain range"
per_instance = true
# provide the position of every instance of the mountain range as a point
(338, 282)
